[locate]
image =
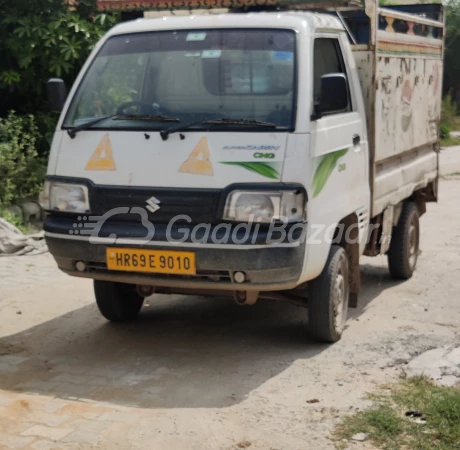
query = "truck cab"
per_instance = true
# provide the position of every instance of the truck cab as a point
(222, 155)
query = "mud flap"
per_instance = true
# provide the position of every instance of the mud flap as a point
(353, 300)
(352, 250)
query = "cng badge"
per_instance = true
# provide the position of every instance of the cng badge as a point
(260, 155)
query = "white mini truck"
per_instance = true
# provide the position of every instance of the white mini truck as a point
(251, 154)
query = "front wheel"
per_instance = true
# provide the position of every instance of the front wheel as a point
(328, 297)
(117, 302)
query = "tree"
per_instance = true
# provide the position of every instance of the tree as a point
(40, 39)
(452, 50)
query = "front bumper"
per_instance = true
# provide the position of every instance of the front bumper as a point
(268, 267)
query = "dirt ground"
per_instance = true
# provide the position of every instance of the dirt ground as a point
(198, 373)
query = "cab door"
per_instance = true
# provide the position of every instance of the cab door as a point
(339, 184)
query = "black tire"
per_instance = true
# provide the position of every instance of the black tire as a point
(117, 302)
(405, 241)
(327, 301)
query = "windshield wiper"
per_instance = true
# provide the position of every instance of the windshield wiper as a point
(165, 133)
(256, 123)
(86, 126)
(223, 121)
(147, 117)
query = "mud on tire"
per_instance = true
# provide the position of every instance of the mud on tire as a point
(328, 298)
(405, 240)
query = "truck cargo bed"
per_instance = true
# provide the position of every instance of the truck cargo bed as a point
(399, 61)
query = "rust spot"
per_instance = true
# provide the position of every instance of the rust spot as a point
(387, 60)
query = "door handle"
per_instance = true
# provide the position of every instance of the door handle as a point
(356, 140)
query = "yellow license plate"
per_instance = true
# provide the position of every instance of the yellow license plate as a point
(153, 261)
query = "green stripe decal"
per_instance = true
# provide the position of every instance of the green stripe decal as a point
(327, 164)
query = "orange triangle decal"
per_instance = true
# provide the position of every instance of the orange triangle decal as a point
(102, 158)
(199, 161)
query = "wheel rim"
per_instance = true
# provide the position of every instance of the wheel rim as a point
(341, 296)
(412, 242)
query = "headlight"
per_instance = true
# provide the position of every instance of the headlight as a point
(64, 197)
(265, 206)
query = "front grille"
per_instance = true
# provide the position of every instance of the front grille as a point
(200, 205)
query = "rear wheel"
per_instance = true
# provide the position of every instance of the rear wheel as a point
(405, 240)
(117, 302)
(328, 298)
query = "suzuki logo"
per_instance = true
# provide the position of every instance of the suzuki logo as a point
(153, 204)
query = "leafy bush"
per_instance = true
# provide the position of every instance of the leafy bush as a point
(448, 111)
(42, 39)
(444, 131)
(22, 171)
(15, 220)
(452, 47)
(49, 40)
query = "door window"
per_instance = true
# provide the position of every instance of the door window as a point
(327, 59)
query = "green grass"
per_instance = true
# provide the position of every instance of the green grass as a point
(455, 123)
(449, 176)
(390, 429)
(450, 142)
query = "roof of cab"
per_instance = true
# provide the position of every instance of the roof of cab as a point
(303, 22)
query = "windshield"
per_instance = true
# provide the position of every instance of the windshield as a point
(192, 76)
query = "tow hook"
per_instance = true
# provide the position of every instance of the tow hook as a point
(246, 297)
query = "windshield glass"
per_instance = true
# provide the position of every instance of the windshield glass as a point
(192, 76)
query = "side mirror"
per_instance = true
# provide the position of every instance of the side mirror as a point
(334, 94)
(57, 94)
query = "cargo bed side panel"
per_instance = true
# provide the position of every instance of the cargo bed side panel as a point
(401, 78)
(407, 104)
